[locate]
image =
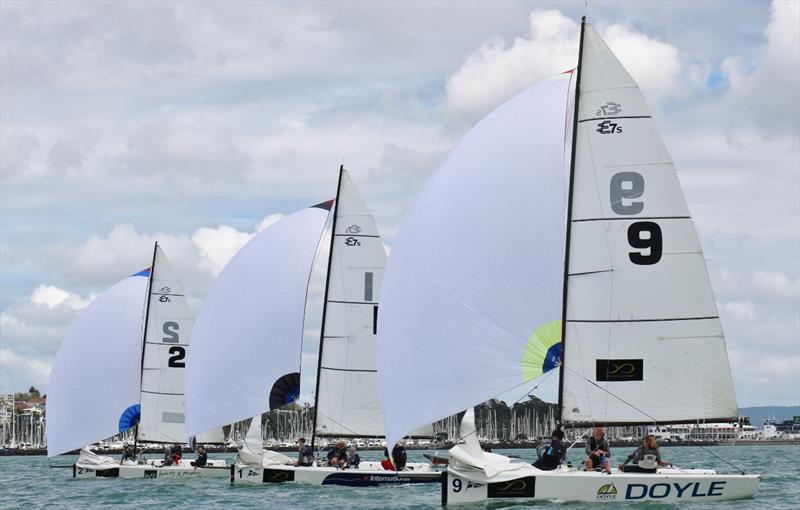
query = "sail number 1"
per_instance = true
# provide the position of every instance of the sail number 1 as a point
(643, 235)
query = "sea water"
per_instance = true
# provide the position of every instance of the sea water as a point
(30, 483)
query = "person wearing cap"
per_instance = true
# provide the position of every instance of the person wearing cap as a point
(353, 460)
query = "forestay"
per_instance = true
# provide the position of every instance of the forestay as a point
(347, 400)
(251, 325)
(472, 292)
(95, 376)
(643, 341)
(169, 328)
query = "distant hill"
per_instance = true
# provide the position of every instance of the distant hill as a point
(779, 413)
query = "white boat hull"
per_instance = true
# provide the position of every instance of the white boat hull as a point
(369, 474)
(666, 486)
(152, 469)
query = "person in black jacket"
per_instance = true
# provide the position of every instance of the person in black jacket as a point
(202, 458)
(551, 458)
(305, 456)
(338, 455)
(399, 456)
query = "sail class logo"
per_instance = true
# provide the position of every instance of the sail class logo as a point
(610, 108)
(607, 492)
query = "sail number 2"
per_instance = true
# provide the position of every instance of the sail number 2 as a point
(643, 235)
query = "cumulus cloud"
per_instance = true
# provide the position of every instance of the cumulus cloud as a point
(743, 311)
(498, 71)
(768, 88)
(268, 220)
(52, 296)
(185, 154)
(776, 282)
(33, 371)
(218, 245)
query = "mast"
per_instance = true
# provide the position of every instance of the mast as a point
(569, 224)
(144, 339)
(325, 306)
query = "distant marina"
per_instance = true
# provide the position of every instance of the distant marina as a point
(522, 425)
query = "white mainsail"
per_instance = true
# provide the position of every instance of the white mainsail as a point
(347, 395)
(477, 269)
(93, 391)
(169, 327)
(643, 341)
(251, 326)
(472, 291)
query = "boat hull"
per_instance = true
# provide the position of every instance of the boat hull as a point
(366, 476)
(217, 469)
(673, 486)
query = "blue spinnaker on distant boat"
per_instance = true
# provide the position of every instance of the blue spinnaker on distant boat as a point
(130, 417)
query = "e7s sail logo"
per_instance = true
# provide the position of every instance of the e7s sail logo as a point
(610, 108)
(607, 492)
(608, 128)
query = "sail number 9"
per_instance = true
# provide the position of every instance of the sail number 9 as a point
(643, 235)
(456, 485)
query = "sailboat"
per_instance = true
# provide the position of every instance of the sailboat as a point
(556, 235)
(259, 303)
(121, 367)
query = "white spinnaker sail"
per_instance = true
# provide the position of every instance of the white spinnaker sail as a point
(644, 342)
(474, 283)
(347, 403)
(252, 450)
(95, 376)
(250, 326)
(166, 342)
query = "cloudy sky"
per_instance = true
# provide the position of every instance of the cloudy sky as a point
(197, 124)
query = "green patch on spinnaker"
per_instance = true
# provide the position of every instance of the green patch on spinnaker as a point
(543, 351)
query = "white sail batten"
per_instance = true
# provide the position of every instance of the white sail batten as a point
(643, 339)
(93, 391)
(347, 400)
(166, 342)
(474, 284)
(251, 326)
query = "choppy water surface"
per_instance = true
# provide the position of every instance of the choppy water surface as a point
(29, 483)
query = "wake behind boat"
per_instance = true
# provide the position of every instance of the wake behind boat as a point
(601, 275)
